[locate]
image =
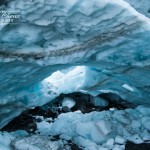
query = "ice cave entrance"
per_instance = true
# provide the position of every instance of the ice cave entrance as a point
(70, 80)
(75, 83)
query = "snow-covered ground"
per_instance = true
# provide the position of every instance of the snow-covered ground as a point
(106, 130)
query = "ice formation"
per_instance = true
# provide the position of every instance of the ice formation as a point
(106, 130)
(65, 46)
(142, 6)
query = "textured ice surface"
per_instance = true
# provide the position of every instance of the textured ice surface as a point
(91, 29)
(108, 129)
(111, 34)
(142, 6)
(97, 101)
(92, 131)
(69, 102)
(20, 140)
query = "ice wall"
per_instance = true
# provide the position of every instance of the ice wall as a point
(142, 6)
(107, 36)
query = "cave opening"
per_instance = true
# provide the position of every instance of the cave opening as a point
(81, 102)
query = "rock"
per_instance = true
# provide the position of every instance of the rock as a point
(133, 146)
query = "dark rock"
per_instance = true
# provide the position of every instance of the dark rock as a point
(27, 120)
(73, 146)
(23, 122)
(132, 146)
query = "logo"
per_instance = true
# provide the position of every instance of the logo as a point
(7, 17)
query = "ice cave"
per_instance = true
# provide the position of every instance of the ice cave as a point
(74, 75)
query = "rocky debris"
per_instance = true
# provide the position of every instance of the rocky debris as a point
(23, 122)
(75, 102)
(62, 104)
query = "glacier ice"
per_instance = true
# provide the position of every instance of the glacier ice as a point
(100, 129)
(80, 24)
(97, 101)
(69, 102)
(95, 131)
(142, 6)
(20, 140)
(107, 40)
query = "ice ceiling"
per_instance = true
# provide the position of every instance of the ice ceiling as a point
(108, 40)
